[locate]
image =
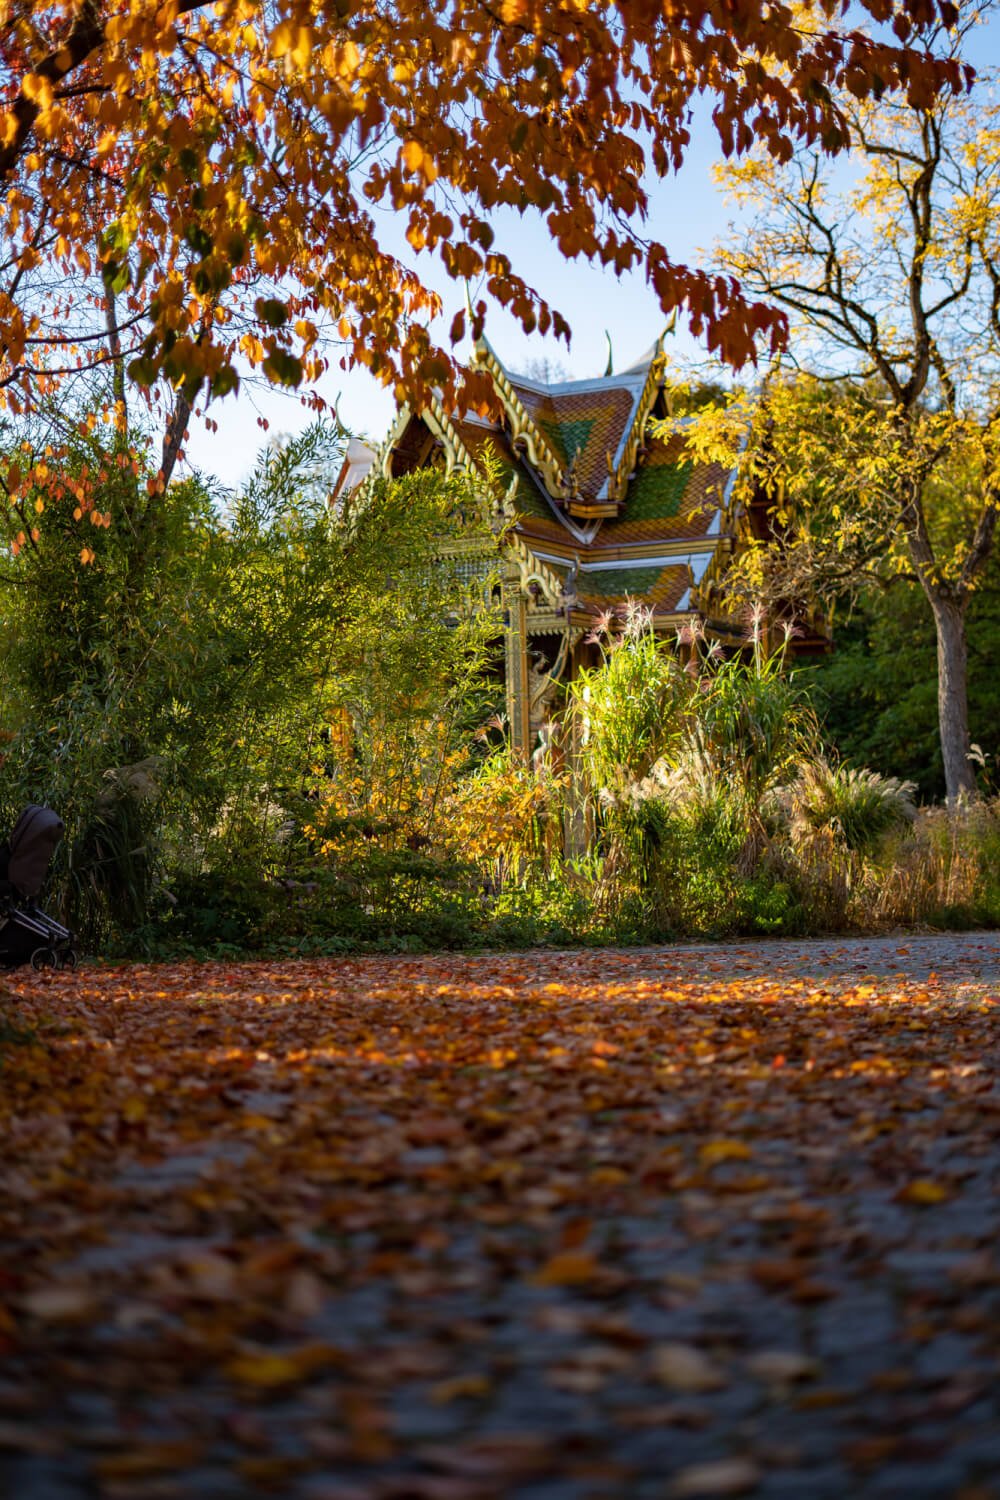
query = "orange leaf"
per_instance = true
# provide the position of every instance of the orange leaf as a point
(569, 1268)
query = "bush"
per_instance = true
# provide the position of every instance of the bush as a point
(945, 871)
(858, 807)
(220, 684)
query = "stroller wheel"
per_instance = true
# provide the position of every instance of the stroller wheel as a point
(44, 958)
(67, 960)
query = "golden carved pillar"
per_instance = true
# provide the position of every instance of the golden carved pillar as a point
(516, 663)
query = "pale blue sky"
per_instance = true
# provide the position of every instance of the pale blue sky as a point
(688, 213)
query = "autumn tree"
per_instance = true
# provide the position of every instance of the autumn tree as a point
(218, 167)
(888, 454)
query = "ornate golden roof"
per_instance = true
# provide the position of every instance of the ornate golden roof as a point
(592, 494)
(581, 437)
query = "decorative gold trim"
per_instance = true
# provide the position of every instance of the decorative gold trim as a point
(532, 570)
(547, 622)
(705, 588)
(618, 482)
(383, 458)
(634, 553)
(455, 451)
(570, 636)
(458, 456)
(522, 426)
(594, 510)
(440, 425)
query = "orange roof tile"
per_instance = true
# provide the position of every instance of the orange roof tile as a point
(585, 423)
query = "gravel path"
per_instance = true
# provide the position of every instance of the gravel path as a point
(551, 1226)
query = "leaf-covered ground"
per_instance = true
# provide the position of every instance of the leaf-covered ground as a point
(625, 1224)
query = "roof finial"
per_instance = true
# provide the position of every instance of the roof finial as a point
(670, 327)
(611, 355)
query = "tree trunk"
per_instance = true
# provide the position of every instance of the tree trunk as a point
(953, 697)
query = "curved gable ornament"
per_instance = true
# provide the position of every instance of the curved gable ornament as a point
(457, 456)
(523, 430)
(619, 481)
(530, 569)
(383, 463)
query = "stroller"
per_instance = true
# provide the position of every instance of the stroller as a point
(27, 935)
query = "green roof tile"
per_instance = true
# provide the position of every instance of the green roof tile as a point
(616, 582)
(656, 492)
(568, 437)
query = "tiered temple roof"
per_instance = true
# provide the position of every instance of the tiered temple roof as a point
(609, 511)
(603, 511)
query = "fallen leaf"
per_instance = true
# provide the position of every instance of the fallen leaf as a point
(21, 1437)
(264, 1370)
(460, 1387)
(782, 1366)
(61, 1304)
(685, 1369)
(148, 1459)
(713, 1152)
(568, 1268)
(924, 1191)
(726, 1476)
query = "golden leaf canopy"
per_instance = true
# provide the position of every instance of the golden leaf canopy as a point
(222, 166)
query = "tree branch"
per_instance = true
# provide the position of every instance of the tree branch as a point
(86, 35)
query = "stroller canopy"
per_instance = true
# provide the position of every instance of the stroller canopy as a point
(30, 849)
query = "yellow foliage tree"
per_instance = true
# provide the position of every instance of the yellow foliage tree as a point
(887, 457)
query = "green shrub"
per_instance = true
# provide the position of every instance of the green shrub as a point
(772, 906)
(858, 807)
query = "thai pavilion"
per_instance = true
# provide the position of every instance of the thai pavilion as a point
(601, 512)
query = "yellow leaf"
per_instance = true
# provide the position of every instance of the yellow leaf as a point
(924, 1191)
(714, 1152)
(412, 154)
(302, 49)
(37, 89)
(460, 1386)
(294, 41)
(608, 1177)
(282, 39)
(416, 159)
(264, 1371)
